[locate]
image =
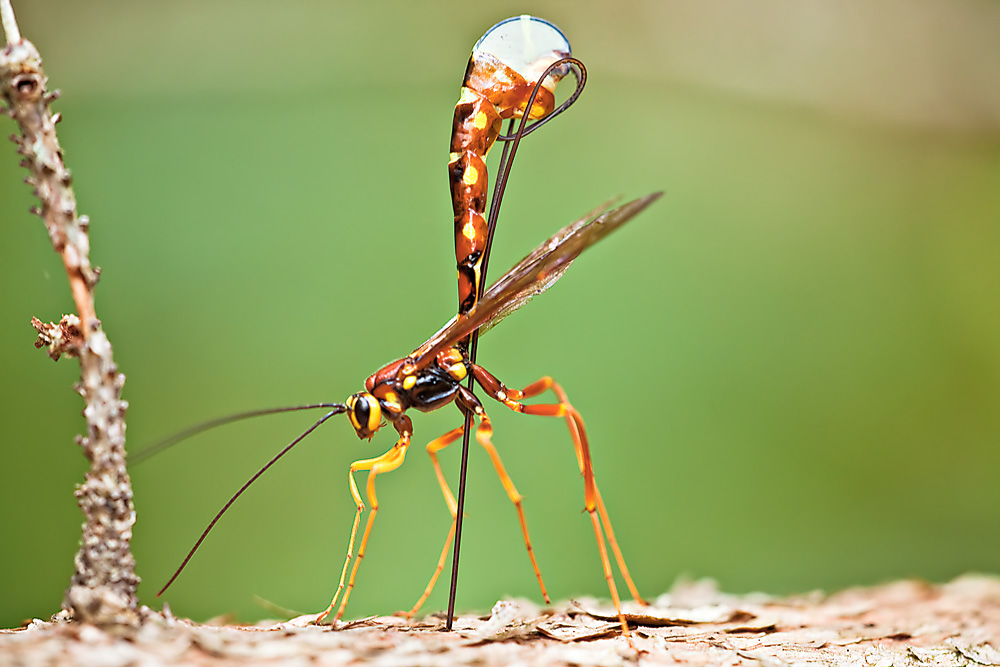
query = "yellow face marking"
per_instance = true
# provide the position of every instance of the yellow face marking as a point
(350, 413)
(374, 413)
(480, 121)
(471, 175)
(409, 382)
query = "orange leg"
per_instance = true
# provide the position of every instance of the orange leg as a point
(592, 497)
(433, 448)
(483, 433)
(575, 423)
(437, 572)
(388, 462)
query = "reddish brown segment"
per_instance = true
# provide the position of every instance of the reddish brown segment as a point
(491, 92)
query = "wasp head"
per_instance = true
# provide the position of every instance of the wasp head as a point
(365, 414)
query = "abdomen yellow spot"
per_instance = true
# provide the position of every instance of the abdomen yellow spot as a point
(469, 230)
(471, 175)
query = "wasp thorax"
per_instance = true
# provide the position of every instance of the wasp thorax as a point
(365, 414)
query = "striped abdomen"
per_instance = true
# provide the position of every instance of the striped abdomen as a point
(491, 92)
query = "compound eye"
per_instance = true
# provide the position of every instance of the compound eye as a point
(365, 414)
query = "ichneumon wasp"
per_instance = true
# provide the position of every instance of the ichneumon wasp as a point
(512, 74)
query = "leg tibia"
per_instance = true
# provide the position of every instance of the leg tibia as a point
(433, 447)
(389, 461)
(594, 504)
(484, 434)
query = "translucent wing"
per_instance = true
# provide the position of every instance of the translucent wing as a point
(534, 274)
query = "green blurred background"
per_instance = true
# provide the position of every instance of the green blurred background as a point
(789, 367)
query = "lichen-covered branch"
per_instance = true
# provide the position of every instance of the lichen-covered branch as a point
(103, 587)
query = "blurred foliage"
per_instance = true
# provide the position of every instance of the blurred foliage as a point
(789, 366)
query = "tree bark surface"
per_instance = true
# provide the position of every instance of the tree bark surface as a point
(900, 624)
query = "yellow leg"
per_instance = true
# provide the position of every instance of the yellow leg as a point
(388, 462)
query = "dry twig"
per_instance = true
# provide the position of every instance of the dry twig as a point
(102, 589)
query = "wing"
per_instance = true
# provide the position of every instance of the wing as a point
(534, 274)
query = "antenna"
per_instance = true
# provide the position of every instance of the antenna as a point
(180, 436)
(337, 409)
